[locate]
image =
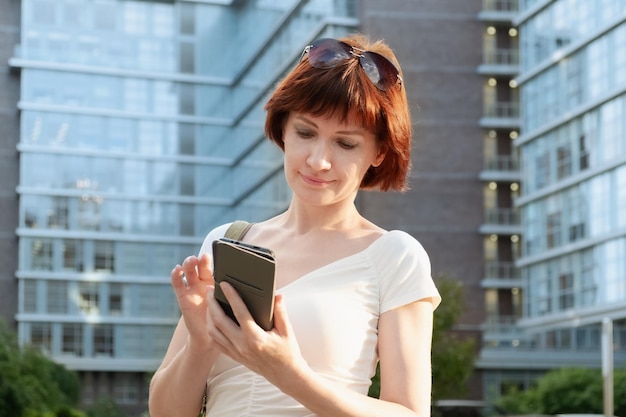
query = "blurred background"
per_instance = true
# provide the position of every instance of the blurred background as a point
(131, 128)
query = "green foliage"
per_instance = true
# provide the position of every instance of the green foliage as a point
(105, 407)
(567, 391)
(374, 390)
(452, 358)
(31, 385)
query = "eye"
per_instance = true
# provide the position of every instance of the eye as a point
(304, 133)
(346, 145)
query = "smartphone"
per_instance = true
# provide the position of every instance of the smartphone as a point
(251, 270)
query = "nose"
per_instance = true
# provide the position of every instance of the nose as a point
(319, 156)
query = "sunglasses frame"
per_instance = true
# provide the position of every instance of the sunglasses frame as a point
(329, 52)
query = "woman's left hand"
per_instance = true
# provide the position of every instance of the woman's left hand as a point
(273, 354)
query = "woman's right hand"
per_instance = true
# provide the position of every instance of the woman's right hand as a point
(191, 282)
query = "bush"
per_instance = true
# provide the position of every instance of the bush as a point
(567, 391)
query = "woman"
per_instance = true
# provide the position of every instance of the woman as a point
(349, 294)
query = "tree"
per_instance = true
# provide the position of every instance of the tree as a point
(567, 391)
(105, 407)
(32, 385)
(452, 358)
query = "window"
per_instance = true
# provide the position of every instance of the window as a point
(72, 339)
(554, 230)
(544, 292)
(56, 297)
(104, 15)
(116, 304)
(126, 390)
(589, 288)
(577, 212)
(30, 296)
(41, 253)
(156, 301)
(88, 296)
(41, 336)
(583, 152)
(72, 255)
(58, 216)
(43, 12)
(542, 170)
(104, 256)
(566, 291)
(103, 340)
(564, 161)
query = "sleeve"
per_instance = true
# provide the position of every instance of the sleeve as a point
(214, 234)
(405, 274)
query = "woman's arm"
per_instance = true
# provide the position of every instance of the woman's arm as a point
(404, 345)
(405, 335)
(178, 384)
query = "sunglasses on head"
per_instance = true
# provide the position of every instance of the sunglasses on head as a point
(328, 53)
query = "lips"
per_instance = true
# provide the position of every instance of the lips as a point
(309, 179)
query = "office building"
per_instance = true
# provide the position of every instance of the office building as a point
(129, 129)
(573, 166)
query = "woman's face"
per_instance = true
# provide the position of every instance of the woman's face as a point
(326, 159)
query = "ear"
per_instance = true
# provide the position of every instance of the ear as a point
(379, 159)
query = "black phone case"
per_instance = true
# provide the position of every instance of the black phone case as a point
(251, 271)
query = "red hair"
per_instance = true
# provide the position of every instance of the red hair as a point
(345, 90)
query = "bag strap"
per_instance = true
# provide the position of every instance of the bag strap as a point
(238, 229)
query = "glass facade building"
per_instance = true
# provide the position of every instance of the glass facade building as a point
(573, 168)
(141, 130)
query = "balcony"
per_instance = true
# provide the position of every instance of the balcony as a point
(500, 274)
(500, 62)
(499, 10)
(500, 115)
(501, 221)
(501, 168)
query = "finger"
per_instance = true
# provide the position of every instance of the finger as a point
(204, 268)
(281, 320)
(190, 269)
(218, 320)
(177, 278)
(240, 310)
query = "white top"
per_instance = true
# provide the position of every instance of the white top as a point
(334, 312)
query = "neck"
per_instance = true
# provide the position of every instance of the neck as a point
(304, 218)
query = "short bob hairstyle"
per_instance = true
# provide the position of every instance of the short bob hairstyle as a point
(346, 90)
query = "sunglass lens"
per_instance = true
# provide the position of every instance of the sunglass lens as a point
(380, 70)
(325, 53)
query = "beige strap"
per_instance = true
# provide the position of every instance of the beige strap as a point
(238, 229)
